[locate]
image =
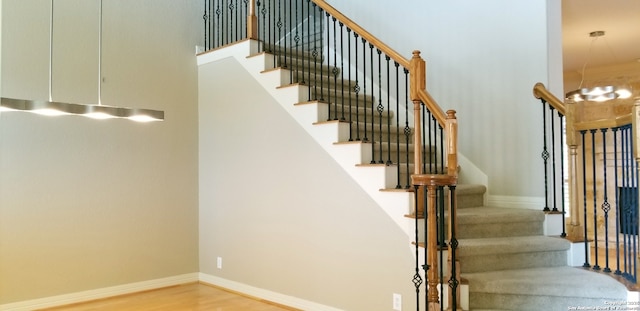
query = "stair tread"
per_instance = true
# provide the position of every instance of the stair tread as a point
(484, 214)
(549, 281)
(504, 245)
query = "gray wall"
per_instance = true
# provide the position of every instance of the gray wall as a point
(483, 59)
(282, 214)
(88, 204)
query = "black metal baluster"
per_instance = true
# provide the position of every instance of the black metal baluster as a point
(442, 157)
(633, 208)
(237, 18)
(545, 156)
(606, 207)
(424, 111)
(296, 39)
(426, 266)
(307, 46)
(205, 17)
(407, 129)
(245, 18)
(219, 17)
(625, 201)
(291, 63)
(441, 241)
(584, 200)
(389, 162)
(342, 118)
(356, 87)
(351, 111)
(314, 53)
(364, 88)
(564, 230)
(399, 183)
(553, 158)
(595, 203)
(453, 246)
(380, 107)
(371, 105)
(617, 198)
(334, 71)
(417, 279)
(283, 37)
(262, 11)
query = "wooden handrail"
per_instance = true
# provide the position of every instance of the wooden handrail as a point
(397, 57)
(541, 92)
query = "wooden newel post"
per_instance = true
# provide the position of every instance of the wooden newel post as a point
(452, 143)
(252, 21)
(417, 82)
(575, 230)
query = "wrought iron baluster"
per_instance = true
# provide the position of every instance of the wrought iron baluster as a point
(380, 107)
(417, 278)
(398, 180)
(564, 230)
(407, 129)
(372, 104)
(584, 199)
(453, 246)
(625, 202)
(334, 71)
(364, 88)
(297, 39)
(290, 51)
(205, 17)
(594, 188)
(342, 118)
(545, 156)
(606, 207)
(351, 111)
(617, 198)
(553, 158)
(389, 162)
(443, 169)
(356, 88)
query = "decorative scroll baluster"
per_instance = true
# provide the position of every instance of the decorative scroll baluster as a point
(417, 279)
(356, 88)
(407, 129)
(606, 207)
(334, 71)
(380, 107)
(341, 72)
(545, 156)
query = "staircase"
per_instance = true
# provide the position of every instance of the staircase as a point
(505, 259)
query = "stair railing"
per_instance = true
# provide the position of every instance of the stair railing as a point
(602, 178)
(370, 87)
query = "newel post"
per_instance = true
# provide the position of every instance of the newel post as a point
(575, 230)
(452, 143)
(252, 21)
(417, 82)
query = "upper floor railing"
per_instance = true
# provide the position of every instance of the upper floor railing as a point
(599, 182)
(368, 86)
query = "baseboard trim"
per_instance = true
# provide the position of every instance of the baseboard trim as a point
(264, 294)
(60, 300)
(536, 203)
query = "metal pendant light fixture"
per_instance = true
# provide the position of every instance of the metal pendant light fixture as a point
(597, 93)
(99, 111)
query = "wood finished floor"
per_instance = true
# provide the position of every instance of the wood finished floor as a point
(194, 297)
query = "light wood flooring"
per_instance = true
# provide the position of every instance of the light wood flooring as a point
(193, 297)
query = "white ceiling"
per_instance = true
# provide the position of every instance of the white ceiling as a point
(620, 19)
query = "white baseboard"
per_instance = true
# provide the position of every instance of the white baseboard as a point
(265, 294)
(536, 203)
(54, 301)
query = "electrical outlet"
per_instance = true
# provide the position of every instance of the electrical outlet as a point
(219, 263)
(397, 302)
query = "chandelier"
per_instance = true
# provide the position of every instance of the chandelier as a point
(600, 93)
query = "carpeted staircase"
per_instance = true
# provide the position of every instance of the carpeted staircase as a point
(510, 265)
(507, 262)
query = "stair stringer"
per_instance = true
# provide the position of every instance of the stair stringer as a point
(371, 179)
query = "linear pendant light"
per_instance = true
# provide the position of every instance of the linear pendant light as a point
(99, 111)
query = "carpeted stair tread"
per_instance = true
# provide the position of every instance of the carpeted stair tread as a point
(484, 215)
(505, 245)
(549, 281)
